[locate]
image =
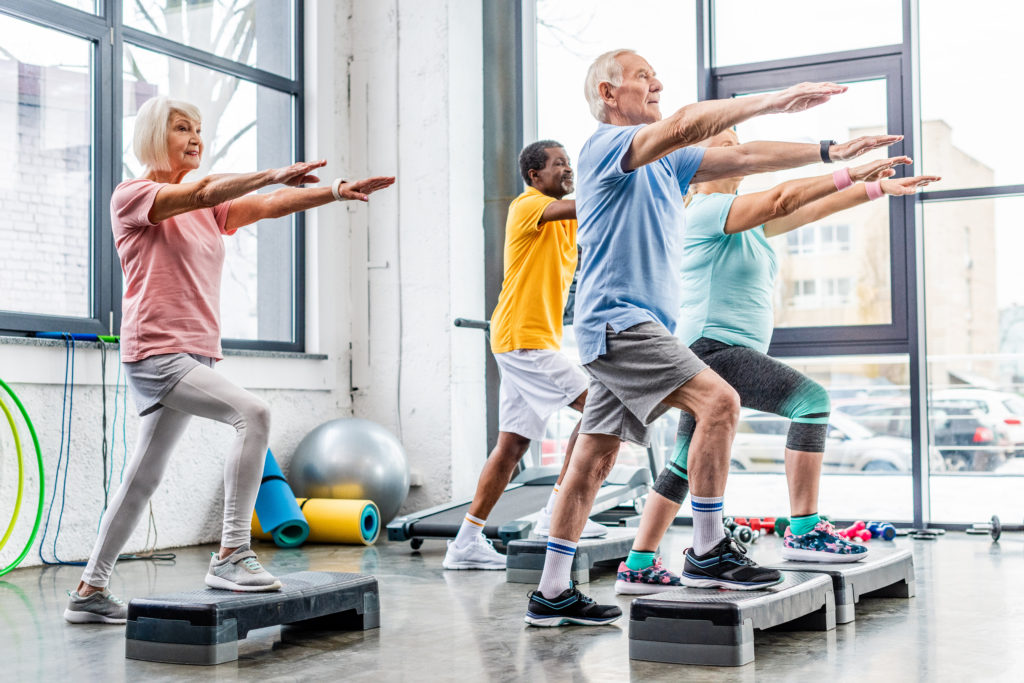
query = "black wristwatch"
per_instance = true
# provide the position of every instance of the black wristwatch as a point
(825, 144)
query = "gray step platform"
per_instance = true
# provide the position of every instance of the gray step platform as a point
(525, 558)
(204, 626)
(888, 572)
(716, 627)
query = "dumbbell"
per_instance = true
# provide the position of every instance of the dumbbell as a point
(737, 528)
(856, 532)
(993, 527)
(765, 525)
(882, 530)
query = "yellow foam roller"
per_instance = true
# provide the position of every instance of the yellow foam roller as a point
(335, 520)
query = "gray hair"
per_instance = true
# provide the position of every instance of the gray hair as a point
(604, 69)
(150, 139)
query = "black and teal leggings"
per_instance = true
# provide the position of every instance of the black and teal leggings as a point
(764, 384)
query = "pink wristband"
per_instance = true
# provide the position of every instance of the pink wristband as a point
(841, 177)
(874, 189)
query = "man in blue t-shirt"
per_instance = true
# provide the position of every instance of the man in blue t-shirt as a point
(633, 175)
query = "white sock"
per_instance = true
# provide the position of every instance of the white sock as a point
(557, 573)
(550, 507)
(708, 529)
(470, 529)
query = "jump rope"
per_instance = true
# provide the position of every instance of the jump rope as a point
(108, 450)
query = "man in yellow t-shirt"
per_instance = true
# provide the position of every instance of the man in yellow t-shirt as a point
(526, 338)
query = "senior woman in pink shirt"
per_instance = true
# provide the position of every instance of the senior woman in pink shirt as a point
(169, 237)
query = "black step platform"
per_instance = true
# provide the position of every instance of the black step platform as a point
(524, 561)
(888, 572)
(204, 626)
(716, 627)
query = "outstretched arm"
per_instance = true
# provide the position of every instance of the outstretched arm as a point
(751, 210)
(177, 198)
(762, 157)
(848, 198)
(702, 120)
(284, 202)
(559, 210)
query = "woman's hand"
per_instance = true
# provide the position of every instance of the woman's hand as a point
(854, 148)
(901, 186)
(296, 174)
(876, 170)
(362, 189)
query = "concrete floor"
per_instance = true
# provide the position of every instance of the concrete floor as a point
(966, 623)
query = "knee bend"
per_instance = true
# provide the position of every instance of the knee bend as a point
(813, 403)
(671, 486)
(255, 416)
(721, 408)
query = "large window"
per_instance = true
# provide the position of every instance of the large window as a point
(74, 75)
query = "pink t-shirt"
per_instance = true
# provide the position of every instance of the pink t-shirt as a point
(172, 274)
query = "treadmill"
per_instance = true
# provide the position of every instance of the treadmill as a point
(514, 515)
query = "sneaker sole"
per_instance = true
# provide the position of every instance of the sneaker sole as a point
(222, 584)
(470, 565)
(631, 588)
(704, 582)
(548, 622)
(78, 617)
(821, 556)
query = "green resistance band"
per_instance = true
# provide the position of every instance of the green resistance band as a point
(42, 478)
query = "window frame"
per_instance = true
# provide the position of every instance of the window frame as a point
(106, 30)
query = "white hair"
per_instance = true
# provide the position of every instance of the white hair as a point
(150, 140)
(604, 69)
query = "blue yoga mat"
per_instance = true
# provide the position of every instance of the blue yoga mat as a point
(278, 513)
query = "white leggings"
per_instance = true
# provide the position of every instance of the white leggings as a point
(204, 393)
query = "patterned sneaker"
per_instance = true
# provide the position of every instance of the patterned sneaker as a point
(653, 579)
(591, 530)
(726, 566)
(102, 607)
(821, 544)
(240, 571)
(480, 554)
(569, 607)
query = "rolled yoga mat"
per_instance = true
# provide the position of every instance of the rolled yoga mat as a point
(334, 520)
(277, 516)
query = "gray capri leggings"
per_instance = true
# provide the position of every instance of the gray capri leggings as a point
(204, 393)
(763, 383)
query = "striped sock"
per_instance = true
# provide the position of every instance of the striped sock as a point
(804, 524)
(470, 529)
(708, 530)
(557, 573)
(550, 507)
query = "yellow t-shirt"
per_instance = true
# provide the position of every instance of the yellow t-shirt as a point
(539, 263)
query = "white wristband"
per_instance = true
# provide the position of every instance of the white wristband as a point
(335, 188)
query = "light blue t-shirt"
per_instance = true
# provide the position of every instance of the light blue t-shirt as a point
(728, 280)
(630, 230)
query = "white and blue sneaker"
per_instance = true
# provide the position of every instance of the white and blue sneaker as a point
(478, 554)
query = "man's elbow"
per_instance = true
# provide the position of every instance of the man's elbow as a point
(689, 130)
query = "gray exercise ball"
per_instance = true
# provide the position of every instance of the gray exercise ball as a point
(352, 458)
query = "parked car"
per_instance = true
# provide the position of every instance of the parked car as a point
(967, 439)
(850, 447)
(1002, 406)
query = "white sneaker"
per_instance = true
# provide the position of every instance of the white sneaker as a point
(240, 571)
(480, 554)
(591, 530)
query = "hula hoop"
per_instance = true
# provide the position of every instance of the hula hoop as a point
(21, 474)
(42, 479)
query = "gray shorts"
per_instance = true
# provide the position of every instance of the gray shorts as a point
(151, 378)
(642, 365)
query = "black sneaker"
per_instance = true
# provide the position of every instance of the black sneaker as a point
(570, 607)
(726, 566)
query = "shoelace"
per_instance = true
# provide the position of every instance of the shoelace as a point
(736, 548)
(110, 596)
(657, 564)
(826, 527)
(252, 564)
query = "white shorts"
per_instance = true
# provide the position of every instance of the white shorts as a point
(535, 383)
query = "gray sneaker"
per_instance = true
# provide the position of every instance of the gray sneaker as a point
(240, 571)
(102, 607)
